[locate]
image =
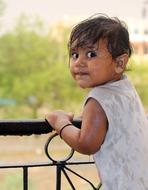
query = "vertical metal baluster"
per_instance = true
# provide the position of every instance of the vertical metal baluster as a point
(25, 178)
(58, 177)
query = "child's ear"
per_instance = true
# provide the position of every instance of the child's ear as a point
(121, 62)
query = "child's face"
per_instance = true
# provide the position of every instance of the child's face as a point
(92, 65)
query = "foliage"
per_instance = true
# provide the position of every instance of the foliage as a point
(34, 70)
(34, 66)
(139, 77)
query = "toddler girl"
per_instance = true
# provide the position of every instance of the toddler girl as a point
(114, 125)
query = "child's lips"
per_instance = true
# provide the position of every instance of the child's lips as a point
(81, 74)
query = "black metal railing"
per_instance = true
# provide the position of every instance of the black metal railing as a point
(29, 127)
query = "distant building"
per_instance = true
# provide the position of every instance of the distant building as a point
(138, 30)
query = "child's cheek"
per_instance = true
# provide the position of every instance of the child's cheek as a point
(94, 70)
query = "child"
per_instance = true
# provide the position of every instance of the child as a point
(114, 126)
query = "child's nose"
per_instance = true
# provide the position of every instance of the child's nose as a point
(80, 62)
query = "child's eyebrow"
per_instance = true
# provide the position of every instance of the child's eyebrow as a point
(73, 49)
(86, 47)
(92, 47)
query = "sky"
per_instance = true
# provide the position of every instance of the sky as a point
(51, 11)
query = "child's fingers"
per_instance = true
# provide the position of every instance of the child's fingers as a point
(71, 115)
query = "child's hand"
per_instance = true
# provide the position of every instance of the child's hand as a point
(58, 119)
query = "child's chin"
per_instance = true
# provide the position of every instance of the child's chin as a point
(84, 86)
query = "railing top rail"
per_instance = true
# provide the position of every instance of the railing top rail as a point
(28, 127)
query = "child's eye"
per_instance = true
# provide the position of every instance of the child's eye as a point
(91, 54)
(74, 55)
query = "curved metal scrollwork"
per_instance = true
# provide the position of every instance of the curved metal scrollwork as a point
(61, 164)
(49, 155)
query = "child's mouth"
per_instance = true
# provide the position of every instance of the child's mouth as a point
(81, 75)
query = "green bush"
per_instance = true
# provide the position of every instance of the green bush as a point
(138, 73)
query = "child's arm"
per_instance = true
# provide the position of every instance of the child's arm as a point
(90, 137)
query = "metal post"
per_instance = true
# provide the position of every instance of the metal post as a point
(25, 178)
(58, 176)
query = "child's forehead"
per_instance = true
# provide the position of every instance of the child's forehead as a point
(82, 40)
(86, 45)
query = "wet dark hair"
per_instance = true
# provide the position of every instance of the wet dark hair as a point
(97, 27)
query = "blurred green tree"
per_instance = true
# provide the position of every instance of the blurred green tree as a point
(34, 65)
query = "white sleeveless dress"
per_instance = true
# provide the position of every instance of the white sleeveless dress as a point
(122, 160)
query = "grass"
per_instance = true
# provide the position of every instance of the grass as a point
(14, 181)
